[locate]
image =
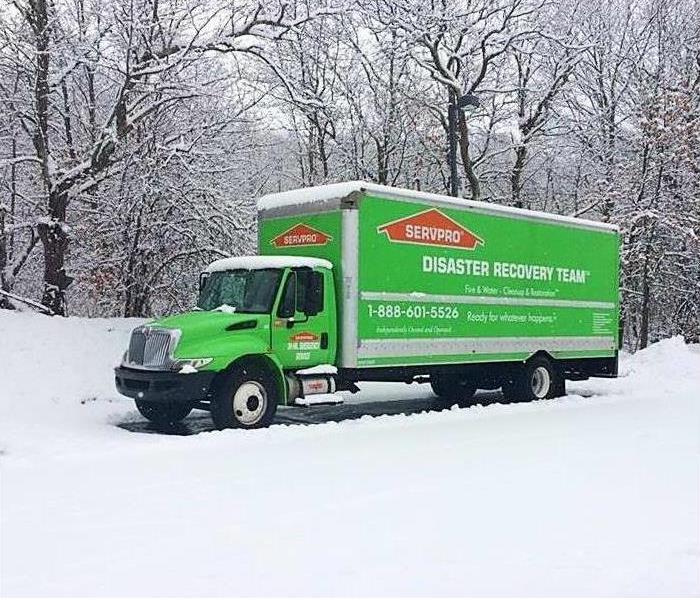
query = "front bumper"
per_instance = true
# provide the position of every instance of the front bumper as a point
(163, 386)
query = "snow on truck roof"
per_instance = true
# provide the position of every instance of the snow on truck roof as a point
(336, 191)
(266, 262)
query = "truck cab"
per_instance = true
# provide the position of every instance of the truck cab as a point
(258, 320)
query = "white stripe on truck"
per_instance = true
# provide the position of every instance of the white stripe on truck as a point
(449, 346)
(349, 241)
(501, 300)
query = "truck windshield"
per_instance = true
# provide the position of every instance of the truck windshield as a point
(243, 290)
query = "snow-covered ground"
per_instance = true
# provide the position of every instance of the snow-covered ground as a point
(585, 496)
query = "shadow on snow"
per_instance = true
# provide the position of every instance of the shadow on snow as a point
(200, 421)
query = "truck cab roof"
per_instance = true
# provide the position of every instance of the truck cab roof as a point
(266, 262)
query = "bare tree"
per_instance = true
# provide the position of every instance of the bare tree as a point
(544, 65)
(457, 43)
(144, 52)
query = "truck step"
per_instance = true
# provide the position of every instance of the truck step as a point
(319, 400)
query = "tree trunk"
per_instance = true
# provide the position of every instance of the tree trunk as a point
(54, 240)
(644, 325)
(6, 226)
(472, 177)
(51, 230)
(516, 176)
(323, 154)
(4, 285)
(382, 168)
(136, 301)
(646, 289)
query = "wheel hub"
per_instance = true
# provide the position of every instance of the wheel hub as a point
(249, 402)
(252, 403)
(540, 382)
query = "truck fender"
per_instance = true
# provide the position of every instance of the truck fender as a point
(270, 361)
(543, 354)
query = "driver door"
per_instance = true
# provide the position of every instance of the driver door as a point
(300, 325)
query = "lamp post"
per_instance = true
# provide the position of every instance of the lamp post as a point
(467, 102)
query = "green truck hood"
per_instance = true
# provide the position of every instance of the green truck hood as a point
(210, 334)
(205, 321)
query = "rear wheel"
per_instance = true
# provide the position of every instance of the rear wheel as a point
(451, 390)
(163, 413)
(246, 398)
(535, 380)
(559, 389)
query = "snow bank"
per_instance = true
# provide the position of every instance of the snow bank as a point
(672, 356)
(57, 379)
(59, 360)
(594, 494)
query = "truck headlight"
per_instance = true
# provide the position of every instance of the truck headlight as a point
(190, 364)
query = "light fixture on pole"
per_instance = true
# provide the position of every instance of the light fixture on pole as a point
(468, 102)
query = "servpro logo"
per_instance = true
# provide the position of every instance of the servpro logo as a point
(304, 336)
(430, 228)
(301, 235)
(304, 340)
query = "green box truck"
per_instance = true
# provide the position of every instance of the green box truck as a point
(362, 282)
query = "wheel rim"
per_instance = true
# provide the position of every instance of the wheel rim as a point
(540, 382)
(249, 402)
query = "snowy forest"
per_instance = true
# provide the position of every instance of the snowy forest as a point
(136, 135)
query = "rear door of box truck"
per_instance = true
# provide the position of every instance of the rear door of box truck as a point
(445, 284)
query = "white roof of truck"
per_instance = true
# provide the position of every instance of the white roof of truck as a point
(266, 262)
(341, 190)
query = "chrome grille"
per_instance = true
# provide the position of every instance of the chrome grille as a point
(149, 347)
(136, 347)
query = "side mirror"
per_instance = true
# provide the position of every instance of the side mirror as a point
(203, 281)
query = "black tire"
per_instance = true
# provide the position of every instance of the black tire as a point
(537, 379)
(509, 391)
(163, 414)
(451, 390)
(559, 387)
(246, 398)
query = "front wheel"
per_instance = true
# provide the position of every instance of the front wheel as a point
(163, 413)
(246, 398)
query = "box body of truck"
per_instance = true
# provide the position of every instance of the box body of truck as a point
(426, 280)
(359, 282)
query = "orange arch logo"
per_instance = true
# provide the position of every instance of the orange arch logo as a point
(300, 235)
(431, 228)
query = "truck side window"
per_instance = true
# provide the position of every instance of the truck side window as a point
(302, 284)
(286, 307)
(309, 292)
(303, 292)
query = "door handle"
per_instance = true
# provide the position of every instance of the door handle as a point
(324, 341)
